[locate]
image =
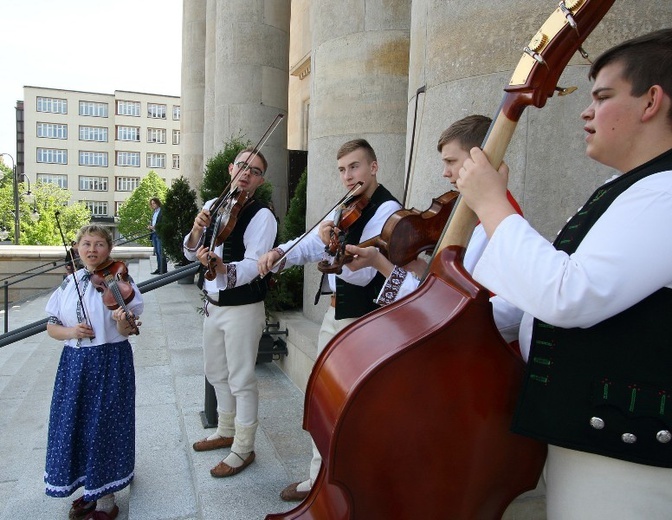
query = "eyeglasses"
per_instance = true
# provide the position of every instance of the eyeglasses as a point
(246, 167)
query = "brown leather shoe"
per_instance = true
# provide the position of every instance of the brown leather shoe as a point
(80, 509)
(222, 469)
(214, 444)
(291, 494)
(102, 515)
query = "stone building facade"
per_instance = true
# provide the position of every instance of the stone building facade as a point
(346, 69)
(371, 68)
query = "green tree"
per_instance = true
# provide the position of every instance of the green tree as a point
(135, 214)
(38, 213)
(179, 211)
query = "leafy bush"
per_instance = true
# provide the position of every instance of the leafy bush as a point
(178, 214)
(286, 292)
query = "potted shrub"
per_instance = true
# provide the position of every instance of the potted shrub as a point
(179, 212)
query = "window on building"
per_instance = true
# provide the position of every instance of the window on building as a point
(93, 133)
(176, 137)
(98, 208)
(176, 112)
(117, 205)
(52, 105)
(176, 161)
(127, 183)
(128, 108)
(128, 159)
(128, 133)
(93, 109)
(156, 135)
(53, 178)
(156, 111)
(89, 183)
(52, 156)
(92, 158)
(52, 130)
(156, 160)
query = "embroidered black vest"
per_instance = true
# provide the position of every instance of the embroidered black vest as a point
(233, 250)
(354, 301)
(604, 389)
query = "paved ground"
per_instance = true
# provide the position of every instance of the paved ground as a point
(172, 481)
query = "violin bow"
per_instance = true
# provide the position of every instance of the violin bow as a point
(350, 193)
(420, 90)
(74, 270)
(255, 152)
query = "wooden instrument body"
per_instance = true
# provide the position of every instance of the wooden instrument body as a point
(433, 456)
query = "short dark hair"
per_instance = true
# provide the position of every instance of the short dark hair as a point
(256, 152)
(468, 131)
(356, 144)
(646, 61)
(156, 201)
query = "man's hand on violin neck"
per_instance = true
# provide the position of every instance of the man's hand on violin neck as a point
(202, 219)
(326, 230)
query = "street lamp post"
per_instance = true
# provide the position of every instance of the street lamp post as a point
(15, 185)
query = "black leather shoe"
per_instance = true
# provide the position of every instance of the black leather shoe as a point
(155, 272)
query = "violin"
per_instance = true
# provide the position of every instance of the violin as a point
(345, 217)
(111, 279)
(224, 221)
(225, 209)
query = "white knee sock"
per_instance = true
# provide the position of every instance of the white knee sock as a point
(225, 425)
(105, 503)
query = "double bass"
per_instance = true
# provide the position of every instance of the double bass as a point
(411, 405)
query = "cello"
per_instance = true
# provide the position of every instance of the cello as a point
(430, 373)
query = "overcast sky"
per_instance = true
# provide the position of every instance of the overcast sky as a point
(89, 45)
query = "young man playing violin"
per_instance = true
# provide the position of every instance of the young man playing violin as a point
(453, 145)
(352, 293)
(598, 300)
(234, 312)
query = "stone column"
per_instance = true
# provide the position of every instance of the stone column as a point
(209, 93)
(359, 88)
(250, 81)
(193, 84)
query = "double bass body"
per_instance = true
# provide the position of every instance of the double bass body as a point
(411, 409)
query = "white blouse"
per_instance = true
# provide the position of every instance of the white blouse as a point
(64, 308)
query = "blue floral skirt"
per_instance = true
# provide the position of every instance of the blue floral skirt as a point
(91, 439)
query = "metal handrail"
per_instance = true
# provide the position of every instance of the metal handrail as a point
(63, 264)
(145, 286)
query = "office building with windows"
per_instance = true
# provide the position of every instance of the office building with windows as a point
(99, 146)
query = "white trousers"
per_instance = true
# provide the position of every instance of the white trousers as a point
(587, 486)
(230, 344)
(330, 327)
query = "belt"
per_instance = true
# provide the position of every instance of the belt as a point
(333, 300)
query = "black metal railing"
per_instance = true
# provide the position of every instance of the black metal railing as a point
(45, 268)
(145, 286)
